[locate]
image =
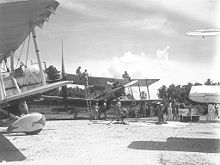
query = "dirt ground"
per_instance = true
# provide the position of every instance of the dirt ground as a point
(138, 142)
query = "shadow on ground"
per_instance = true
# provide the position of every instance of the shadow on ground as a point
(179, 144)
(8, 152)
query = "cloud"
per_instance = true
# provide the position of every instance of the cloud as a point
(72, 5)
(163, 58)
(142, 65)
(138, 65)
(196, 10)
(153, 23)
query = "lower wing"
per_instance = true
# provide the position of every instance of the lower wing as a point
(33, 92)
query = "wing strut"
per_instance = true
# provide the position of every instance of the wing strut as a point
(148, 92)
(22, 105)
(38, 56)
(2, 87)
(139, 88)
(12, 63)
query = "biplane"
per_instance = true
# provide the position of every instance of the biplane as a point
(104, 85)
(99, 89)
(18, 20)
(204, 32)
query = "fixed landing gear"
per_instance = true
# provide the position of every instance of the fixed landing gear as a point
(33, 132)
(30, 124)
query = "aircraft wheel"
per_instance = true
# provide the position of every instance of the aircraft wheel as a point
(33, 132)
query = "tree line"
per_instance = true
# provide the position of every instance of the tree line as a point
(180, 92)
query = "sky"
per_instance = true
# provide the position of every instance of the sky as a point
(144, 37)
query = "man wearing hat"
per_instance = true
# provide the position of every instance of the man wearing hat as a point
(118, 108)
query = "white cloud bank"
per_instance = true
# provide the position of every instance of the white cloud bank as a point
(142, 65)
(72, 5)
(138, 65)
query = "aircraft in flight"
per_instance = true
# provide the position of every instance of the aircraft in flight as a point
(204, 32)
(18, 20)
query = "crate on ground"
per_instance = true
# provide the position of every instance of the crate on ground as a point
(195, 118)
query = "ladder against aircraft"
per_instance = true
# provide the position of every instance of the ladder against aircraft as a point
(88, 99)
(133, 103)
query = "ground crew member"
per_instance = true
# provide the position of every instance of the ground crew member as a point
(20, 71)
(85, 74)
(96, 110)
(103, 109)
(170, 115)
(78, 72)
(165, 113)
(211, 111)
(174, 110)
(118, 109)
(123, 114)
(126, 77)
(160, 113)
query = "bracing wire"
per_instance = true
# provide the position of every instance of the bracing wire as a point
(27, 52)
(19, 58)
(27, 55)
(6, 65)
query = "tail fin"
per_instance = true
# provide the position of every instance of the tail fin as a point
(64, 88)
(63, 67)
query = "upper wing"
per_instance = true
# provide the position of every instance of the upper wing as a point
(80, 102)
(116, 92)
(32, 92)
(205, 94)
(208, 32)
(149, 101)
(102, 81)
(16, 17)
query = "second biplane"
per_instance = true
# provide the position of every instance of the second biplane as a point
(98, 90)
